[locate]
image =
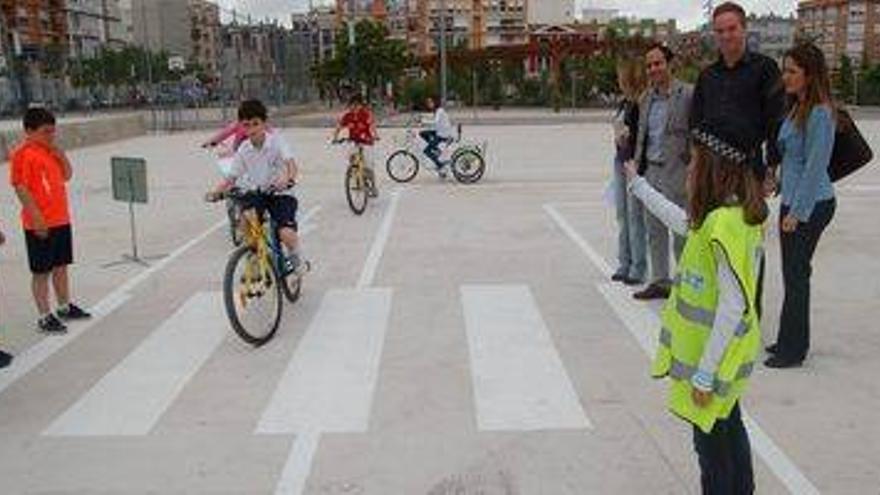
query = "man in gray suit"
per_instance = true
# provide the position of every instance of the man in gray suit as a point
(663, 153)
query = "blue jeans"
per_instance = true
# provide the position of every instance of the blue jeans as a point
(631, 237)
(432, 150)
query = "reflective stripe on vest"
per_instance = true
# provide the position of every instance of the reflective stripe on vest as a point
(685, 372)
(705, 317)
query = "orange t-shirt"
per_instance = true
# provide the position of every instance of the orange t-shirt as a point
(37, 169)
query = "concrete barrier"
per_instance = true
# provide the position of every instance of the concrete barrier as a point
(72, 135)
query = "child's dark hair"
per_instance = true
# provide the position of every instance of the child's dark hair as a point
(37, 117)
(252, 109)
(716, 181)
(356, 99)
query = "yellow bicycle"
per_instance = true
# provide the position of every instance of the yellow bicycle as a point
(360, 181)
(258, 274)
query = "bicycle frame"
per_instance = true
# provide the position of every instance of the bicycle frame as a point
(414, 143)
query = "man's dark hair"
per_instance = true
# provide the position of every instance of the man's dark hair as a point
(356, 99)
(730, 8)
(667, 52)
(37, 117)
(252, 109)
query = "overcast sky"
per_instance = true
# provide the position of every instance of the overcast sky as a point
(688, 12)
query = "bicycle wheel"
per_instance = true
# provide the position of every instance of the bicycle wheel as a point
(252, 299)
(402, 166)
(356, 191)
(233, 212)
(468, 166)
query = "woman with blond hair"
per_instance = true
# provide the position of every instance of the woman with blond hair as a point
(631, 241)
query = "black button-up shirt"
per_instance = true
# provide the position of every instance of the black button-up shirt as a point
(746, 102)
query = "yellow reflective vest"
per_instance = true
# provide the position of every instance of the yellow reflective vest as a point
(689, 315)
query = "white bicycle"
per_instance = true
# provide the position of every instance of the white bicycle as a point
(467, 160)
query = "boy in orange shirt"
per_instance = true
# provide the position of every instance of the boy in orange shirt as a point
(39, 172)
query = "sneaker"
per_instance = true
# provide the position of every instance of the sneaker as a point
(302, 268)
(73, 312)
(5, 359)
(51, 324)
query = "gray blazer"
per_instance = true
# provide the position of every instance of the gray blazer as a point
(676, 147)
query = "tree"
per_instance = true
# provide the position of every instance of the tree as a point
(845, 80)
(373, 59)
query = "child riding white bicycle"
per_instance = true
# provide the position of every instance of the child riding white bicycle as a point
(441, 132)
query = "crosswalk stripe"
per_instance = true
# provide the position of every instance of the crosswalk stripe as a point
(520, 383)
(328, 385)
(131, 398)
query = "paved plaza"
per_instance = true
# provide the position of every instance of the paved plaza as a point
(452, 340)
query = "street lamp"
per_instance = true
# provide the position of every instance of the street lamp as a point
(442, 52)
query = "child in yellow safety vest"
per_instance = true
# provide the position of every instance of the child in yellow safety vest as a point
(710, 337)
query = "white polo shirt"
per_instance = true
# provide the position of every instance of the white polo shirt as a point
(258, 168)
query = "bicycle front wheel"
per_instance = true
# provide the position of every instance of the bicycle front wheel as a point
(402, 166)
(356, 190)
(252, 296)
(468, 166)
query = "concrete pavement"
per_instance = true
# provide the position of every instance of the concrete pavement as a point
(452, 340)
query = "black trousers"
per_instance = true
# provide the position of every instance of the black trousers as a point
(798, 247)
(725, 457)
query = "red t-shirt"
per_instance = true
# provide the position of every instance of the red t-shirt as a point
(37, 169)
(359, 124)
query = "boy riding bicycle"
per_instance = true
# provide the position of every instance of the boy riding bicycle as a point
(265, 169)
(361, 126)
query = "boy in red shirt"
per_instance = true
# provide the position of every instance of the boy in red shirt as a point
(361, 127)
(39, 172)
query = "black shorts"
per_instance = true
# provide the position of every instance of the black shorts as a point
(53, 251)
(282, 209)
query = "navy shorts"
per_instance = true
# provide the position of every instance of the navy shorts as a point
(282, 209)
(52, 252)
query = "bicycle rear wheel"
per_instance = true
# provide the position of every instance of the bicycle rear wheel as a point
(356, 190)
(402, 166)
(252, 297)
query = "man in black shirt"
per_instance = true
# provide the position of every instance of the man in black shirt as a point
(741, 92)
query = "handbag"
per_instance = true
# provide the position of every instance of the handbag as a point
(851, 152)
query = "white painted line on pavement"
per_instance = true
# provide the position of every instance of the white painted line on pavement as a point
(329, 384)
(520, 383)
(644, 325)
(299, 463)
(368, 274)
(588, 250)
(44, 349)
(39, 352)
(130, 399)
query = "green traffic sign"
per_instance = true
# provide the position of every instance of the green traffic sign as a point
(129, 176)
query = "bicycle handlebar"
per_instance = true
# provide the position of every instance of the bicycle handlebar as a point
(236, 193)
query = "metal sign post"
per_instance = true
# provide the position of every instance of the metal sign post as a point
(129, 184)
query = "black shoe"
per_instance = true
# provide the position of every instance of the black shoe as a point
(780, 362)
(772, 349)
(618, 277)
(73, 312)
(5, 359)
(654, 291)
(632, 281)
(52, 325)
